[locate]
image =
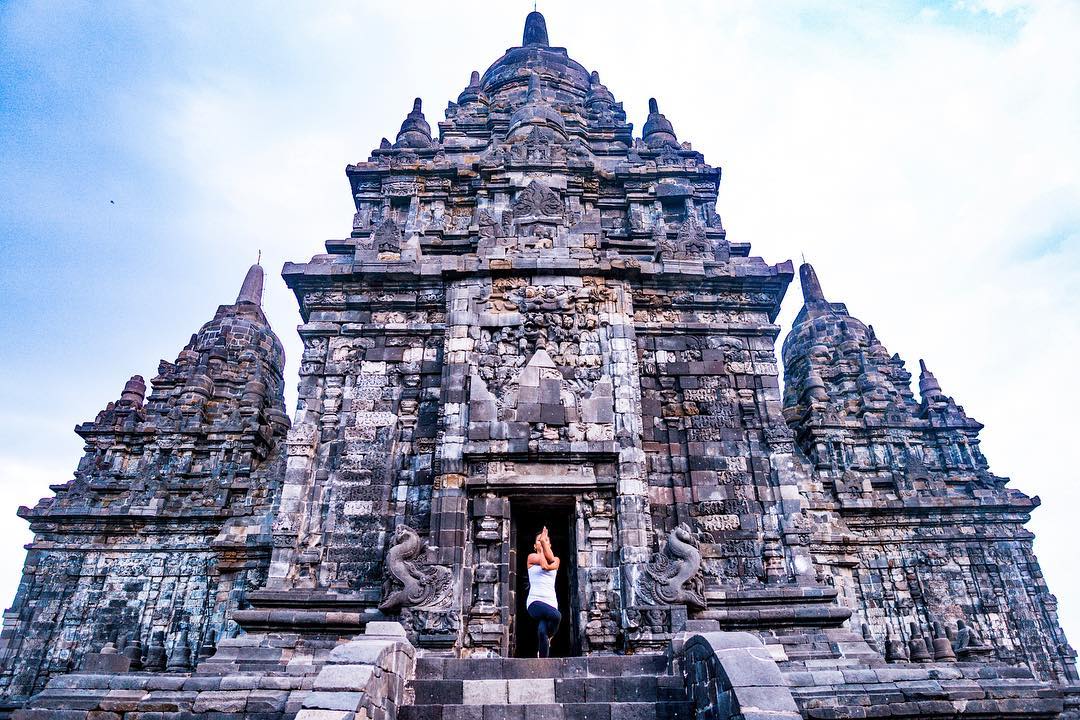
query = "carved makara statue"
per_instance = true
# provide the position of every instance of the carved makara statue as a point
(673, 576)
(410, 583)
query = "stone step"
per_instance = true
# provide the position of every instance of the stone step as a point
(512, 668)
(541, 690)
(551, 711)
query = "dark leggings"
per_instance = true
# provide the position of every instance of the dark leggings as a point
(547, 619)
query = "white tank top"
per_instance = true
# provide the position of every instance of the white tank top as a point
(542, 586)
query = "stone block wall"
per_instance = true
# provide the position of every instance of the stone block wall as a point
(362, 450)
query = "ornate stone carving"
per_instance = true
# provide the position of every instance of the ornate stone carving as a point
(673, 576)
(388, 238)
(537, 150)
(967, 641)
(411, 582)
(691, 238)
(538, 201)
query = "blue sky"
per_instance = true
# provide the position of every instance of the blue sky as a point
(925, 156)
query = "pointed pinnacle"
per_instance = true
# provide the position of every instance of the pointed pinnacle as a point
(536, 32)
(929, 387)
(811, 286)
(252, 289)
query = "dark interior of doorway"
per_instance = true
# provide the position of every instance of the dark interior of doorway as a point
(529, 517)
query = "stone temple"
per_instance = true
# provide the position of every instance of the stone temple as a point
(538, 319)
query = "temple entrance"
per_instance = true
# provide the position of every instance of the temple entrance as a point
(528, 517)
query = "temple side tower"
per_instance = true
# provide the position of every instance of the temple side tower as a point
(913, 528)
(167, 520)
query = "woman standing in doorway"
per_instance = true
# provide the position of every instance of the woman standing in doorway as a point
(542, 604)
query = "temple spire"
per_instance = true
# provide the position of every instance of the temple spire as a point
(471, 93)
(536, 32)
(929, 387)
(811, 286)
(658, 130)
(415, 131)
(252, 289)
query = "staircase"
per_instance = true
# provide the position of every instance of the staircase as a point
(617, 687)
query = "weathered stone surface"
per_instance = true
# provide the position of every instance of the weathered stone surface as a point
(536, 318)
(944, 560)
(484, 692)
(165, 524)
(535, 691)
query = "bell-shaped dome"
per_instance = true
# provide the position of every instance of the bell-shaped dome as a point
(471, 94)
(658, 131)
(535, 113)
(415, 131)
(598, 92)
(242, 327)
(535, 55)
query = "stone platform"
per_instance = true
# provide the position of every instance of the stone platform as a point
(703, 676)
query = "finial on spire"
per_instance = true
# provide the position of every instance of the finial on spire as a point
(258, 258)
(252, 289)
(811, 286)
(134, 391)
(536, 32)
(657, 131)
(415, 131)
(929, 387)
(471, 93)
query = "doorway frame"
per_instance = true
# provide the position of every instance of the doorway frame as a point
(567, 503)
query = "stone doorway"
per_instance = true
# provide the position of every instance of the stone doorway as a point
(528, 516)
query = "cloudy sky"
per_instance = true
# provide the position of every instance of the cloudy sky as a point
(924, 155)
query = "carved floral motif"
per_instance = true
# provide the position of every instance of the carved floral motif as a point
(538, 200)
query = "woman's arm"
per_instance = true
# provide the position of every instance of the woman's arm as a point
(548, 561)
